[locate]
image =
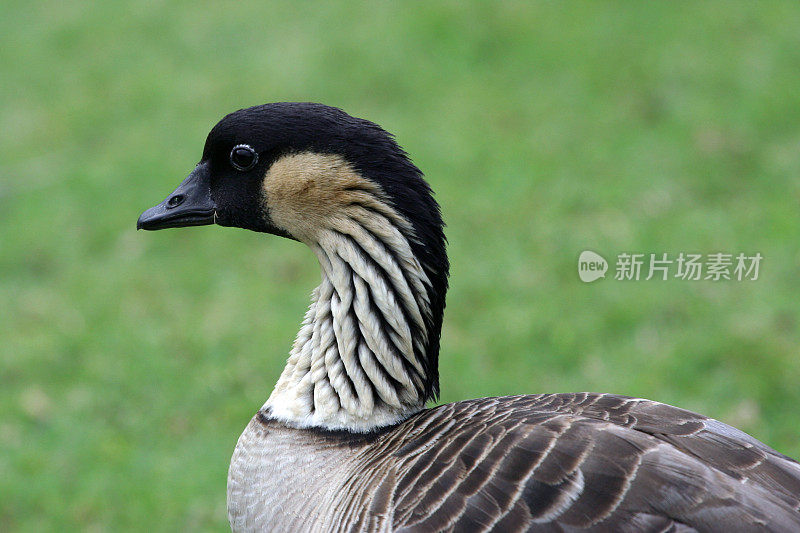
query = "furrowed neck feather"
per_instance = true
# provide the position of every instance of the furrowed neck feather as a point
(365, 356)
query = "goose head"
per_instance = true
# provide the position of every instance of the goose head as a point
(327, 160)
(342, 186)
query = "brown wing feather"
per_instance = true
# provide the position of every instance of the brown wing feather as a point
(568, 462)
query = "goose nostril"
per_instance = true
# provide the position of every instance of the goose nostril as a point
(176, 200)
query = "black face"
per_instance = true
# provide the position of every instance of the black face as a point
(226, 185)
(220, 190)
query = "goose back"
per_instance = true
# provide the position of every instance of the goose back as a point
(550, 462)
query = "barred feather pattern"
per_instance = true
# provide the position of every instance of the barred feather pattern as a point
(357, 362)
(540, 463)
(344, 442)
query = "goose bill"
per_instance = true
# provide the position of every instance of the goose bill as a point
(188, 205)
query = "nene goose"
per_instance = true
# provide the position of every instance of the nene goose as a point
(345, 443)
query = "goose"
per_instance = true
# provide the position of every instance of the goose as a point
(345, 441)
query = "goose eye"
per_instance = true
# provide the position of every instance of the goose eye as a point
(243, 157)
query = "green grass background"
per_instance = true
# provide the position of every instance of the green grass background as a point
(130, 362)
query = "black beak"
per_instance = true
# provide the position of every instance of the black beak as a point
(189, 205)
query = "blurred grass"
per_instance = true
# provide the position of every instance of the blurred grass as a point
(130, 362)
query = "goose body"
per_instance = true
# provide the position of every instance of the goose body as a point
(552, 462)
(344, 442)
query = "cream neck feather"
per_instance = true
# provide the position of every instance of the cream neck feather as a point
(357, 361)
